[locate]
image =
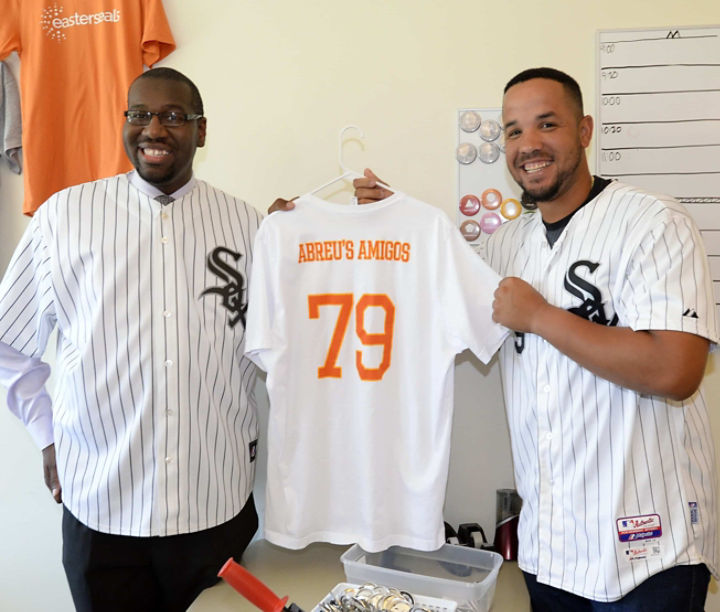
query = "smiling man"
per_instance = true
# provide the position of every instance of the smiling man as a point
(556, 169)
(162, 150)
(144, 275)
(608, 290)
(610, 296)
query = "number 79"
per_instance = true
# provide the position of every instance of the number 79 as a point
(330, 369)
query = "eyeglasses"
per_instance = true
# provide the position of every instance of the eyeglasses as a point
(166, 118)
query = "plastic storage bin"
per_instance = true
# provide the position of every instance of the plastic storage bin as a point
(464, 575)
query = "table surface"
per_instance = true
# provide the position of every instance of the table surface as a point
(307, 575)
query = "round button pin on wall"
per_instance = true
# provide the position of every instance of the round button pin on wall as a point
(491, 199)
(510, 208)
(489, 222)
(470, 121)
(489, 129)
(470, 230)
(469, 205)
(466, 153)
(488, 152)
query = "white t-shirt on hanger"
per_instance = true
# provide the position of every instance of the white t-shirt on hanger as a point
(357, 313)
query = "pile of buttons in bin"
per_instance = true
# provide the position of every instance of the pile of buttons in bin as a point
(371, 598)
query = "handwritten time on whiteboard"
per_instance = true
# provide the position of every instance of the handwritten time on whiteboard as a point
(658, 111)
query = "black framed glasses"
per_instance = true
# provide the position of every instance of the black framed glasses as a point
(166, 118)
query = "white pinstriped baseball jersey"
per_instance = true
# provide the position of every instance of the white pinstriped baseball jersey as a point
(357, 313)
(616, 486)
(153, 414)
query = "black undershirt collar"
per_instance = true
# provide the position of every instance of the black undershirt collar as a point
(555, 229)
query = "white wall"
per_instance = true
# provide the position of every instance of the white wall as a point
(279, 79)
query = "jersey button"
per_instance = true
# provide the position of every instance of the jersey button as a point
(168, 459)
(164, 239)
(168, 363)
(167, 314)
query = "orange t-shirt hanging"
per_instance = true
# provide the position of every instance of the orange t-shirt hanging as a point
(77, 60)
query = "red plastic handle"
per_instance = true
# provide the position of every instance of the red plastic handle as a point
(250, 587)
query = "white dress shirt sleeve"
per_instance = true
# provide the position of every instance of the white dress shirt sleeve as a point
(27, 317)
(27, 397)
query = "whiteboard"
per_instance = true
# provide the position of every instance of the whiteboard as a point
(658, 111)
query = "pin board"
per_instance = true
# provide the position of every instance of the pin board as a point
(487, 196)
(658, 119)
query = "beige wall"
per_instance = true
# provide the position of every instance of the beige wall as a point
(280, 78)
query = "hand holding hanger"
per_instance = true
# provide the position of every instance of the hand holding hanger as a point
(369, 188)
(281, 204)
(349, 173)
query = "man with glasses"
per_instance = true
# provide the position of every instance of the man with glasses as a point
(153, 421)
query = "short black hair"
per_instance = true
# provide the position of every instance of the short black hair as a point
(170, 74)
(571, 86)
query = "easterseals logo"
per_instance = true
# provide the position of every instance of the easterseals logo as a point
(56, 24)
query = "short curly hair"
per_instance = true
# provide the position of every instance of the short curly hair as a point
(571, 86)
(170, 74)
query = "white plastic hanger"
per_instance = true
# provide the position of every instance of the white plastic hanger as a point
(347, 172)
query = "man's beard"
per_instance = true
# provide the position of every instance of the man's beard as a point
(529, 199)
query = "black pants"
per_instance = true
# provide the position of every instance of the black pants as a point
(682, 588)
(112, 573)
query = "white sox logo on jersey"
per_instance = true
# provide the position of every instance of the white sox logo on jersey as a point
(232, 291)
(592, 307)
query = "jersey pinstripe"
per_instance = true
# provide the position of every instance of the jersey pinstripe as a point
(616, 486)
(154, 418)
(357, 313)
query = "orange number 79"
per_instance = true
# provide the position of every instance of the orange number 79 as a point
(330, 369)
